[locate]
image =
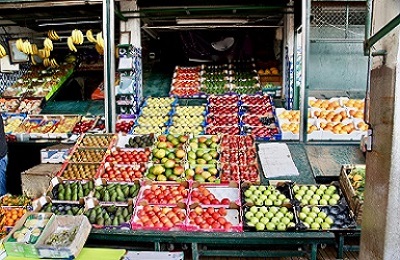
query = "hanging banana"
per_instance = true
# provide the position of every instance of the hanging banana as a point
(46, 62)
(20, 45)
(100, 40)
(26, 48)
(70, 43)
(99, 49)
(34, 49)
(52, 34)
(33, 60)
(89, 36)
(77, 36)
(48, 44)
(2, 51)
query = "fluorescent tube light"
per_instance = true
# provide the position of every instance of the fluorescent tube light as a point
(211, 21)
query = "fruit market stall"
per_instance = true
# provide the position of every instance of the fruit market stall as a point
(168, 188)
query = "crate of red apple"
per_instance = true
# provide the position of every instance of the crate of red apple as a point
(128, 156)
(221, 195)
(115, 172)
(84, 125)
(186, 82)
(166, 194)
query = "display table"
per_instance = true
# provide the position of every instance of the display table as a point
(297, 243)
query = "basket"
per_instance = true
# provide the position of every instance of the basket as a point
(35, 180)
(355, 204)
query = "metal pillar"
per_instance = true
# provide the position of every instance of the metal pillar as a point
(305, 42)
(109, 64)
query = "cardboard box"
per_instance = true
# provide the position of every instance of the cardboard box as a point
(35, 180)
(53, 155)
(78, 225)
(23, 249)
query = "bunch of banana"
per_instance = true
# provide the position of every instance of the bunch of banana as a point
(44, 53)
(34, 49)
(100, 40)
(27, 47)
(20, 44)
(77, 36)
(71, 45)
(89, 36)
(48, 44)
(46, 62)
(53, 63)
(52, 34)
(2, 51)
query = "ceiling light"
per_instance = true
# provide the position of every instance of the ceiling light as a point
(68, 23)
(211, 21)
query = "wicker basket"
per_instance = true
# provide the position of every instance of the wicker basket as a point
(355, 204)
(35, 181)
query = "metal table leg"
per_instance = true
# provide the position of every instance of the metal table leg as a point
(314, 250)
(195, 252)
(157, 246)
(340, 247)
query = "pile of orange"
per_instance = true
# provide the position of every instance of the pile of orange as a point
(324, 104)
(11, 215)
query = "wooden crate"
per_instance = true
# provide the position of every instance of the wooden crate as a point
(36, 180)
(355, 203)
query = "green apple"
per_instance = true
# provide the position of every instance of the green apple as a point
(259, 215)
(268, 202)
(281, 197)
(283, 210)
(249, 215)
(286, 201)
(307, 197)
(285, 220)
(319, 192)
(291, 225)
(257, 192)
(313, 188)
(310, 193)
(318, 220)
(258, 202)
(316, 197)
(253, 197)
(260, 226)
(301, 192)
(270, 226)
(296, 188)
(323, 202)
(269, 215)
(322, 215)
(281, 226)
(326, 197)
(252, 188)
(325, 226)
(298, 197)
(248, 193)
(335, 196)
(262, 188)
(332, 202)
(323, 187)
(254, 209)
(306, 210)
(304, 188)
(309, 220)
(263, 197)
(315, 209)
(267, 192)
(254, 220)
(315, 226)
(290, 215)
(274, 220)
(272, 197)
(306, 225)
(264, 220)
(312, 215)
(277, 202)
(274, 210)
(329, 220)
(263, 209)
(329, 192)
(313, 202)
(279, 215)
(302, 216)
(304, 202)
(271, 188)
(332, 187)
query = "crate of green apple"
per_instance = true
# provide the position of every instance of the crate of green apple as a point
(214, 219)
(114, 172)
(317, 218)
(269, 218)
(158, 193)
(262, 195)
(316, 195)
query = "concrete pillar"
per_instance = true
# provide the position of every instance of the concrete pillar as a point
(380, 237)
